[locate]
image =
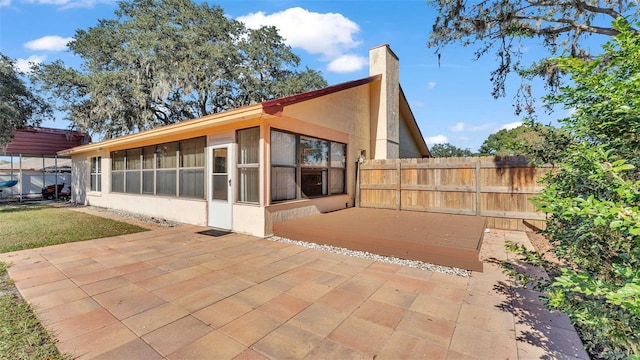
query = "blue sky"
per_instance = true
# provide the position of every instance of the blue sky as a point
(451, 101)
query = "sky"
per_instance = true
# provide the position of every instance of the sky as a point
(450, 100)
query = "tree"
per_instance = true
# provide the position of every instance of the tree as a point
(502, 26)
(19, 107)
(448, 150)
(593, 199)
(529, 139)
(162, 62)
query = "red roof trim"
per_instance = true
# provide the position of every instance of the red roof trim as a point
(274, 107)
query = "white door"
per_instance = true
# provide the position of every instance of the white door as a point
(221, 194)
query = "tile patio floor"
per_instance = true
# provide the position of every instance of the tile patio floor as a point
(173, 293)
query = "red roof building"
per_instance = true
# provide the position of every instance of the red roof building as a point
(44, 141)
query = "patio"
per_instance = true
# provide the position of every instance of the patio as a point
(177, 294)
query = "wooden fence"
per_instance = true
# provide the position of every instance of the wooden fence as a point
(498, 188)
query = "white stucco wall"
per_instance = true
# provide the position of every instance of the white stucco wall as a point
(189, 211)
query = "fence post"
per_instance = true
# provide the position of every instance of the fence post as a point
(399, 186)
(478, 189)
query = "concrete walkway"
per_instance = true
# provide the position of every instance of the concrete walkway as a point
(173, 293)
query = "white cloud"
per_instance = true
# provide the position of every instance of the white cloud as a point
(328, 34)
(347, 63)
(24, 65)
(5, 3)
(431, 84)
(510, 126)
(48, 43)
(438, 139)
(460, 126)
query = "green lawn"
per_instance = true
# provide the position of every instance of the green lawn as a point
(26, 226)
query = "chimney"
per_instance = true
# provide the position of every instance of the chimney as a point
(385, 125)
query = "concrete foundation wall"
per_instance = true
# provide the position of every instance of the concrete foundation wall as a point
(190, 211)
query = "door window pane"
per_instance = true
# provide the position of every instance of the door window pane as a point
(219, 187)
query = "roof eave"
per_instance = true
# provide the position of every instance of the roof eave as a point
(240, 114)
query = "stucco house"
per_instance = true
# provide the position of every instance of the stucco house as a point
(247, 168)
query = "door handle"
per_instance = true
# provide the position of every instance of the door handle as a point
(229, 182)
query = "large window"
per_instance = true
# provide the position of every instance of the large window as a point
(96, 174)
(169, 169)
(248, 165)
(317, 165)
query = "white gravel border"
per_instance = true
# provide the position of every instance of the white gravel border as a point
(375, 257)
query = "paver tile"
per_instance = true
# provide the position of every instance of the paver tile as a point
(436, 306)
(380, 313)
(128, 300)
(471, 341)
(154, 318)
(431, 328)
(257, 295)
(341, 300)
(102, 286)
(68, 310)
(250, 354)
(199, 299)
(58, 297)
(361, 335)
(284, 306)
(329, 349)
(318, 319)
(94, 343)
(176, 335)
(251, 327)
(136, 349)
(309, 290)
(222, 312)
(174, 291)
(81, 324)
(214, 345)
(389, 294)
(287, 342)
(405, 346)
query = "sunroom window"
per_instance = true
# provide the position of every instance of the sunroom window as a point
(317, 165)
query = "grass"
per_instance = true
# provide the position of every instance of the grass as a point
(22, 335)
(28, 226)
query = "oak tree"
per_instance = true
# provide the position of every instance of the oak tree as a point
(19, 106)
(165, 61)
(502, 28)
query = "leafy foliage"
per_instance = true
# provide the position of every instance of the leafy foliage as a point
(162, 62)
(594, 199)
(19, 107)
(449, 150)
(542, 143)
(502, 27)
